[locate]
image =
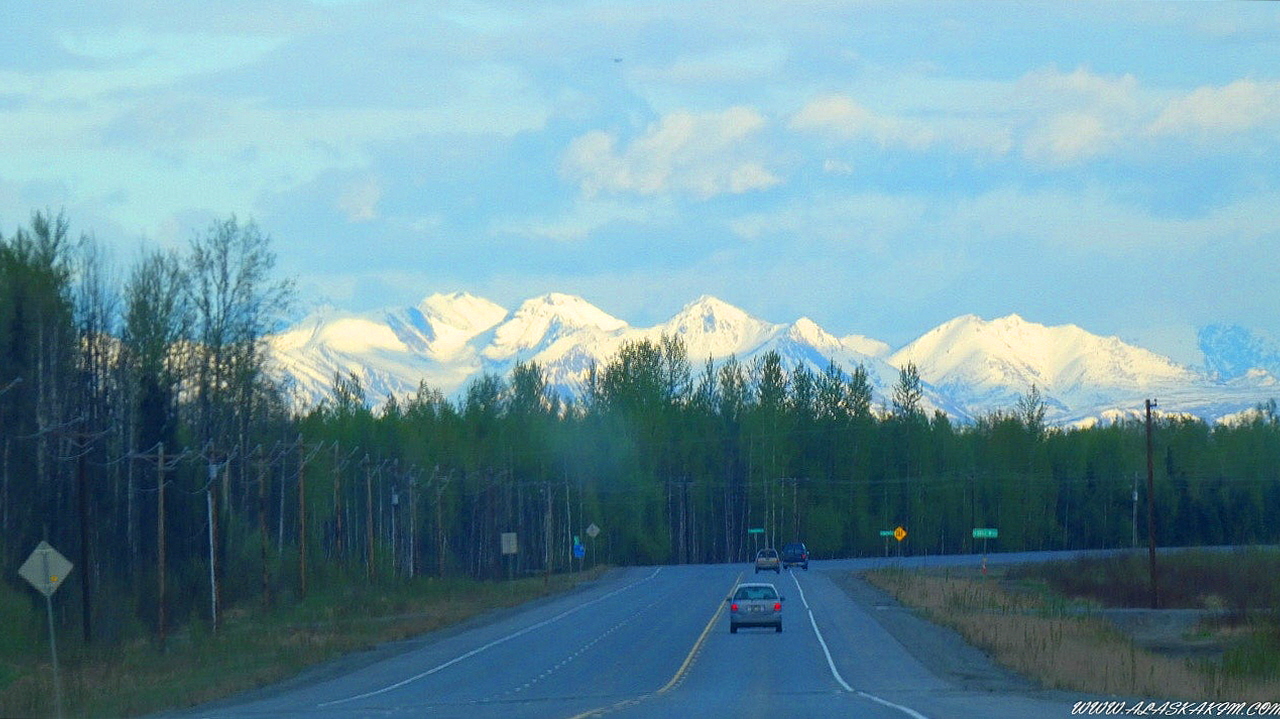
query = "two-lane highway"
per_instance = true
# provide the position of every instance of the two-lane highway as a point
(650, 642)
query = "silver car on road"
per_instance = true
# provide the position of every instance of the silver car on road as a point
(755, 605)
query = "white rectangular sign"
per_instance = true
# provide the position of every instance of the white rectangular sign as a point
(509, 543)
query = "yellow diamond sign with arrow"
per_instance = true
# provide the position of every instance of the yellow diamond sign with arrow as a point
(899, 534)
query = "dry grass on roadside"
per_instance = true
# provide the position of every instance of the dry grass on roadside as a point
(1034, 635)
(253, 648)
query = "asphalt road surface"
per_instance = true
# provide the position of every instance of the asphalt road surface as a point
(655, 642)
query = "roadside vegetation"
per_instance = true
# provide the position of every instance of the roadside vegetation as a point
(1085, 626)
(254, 647)
(145, 434)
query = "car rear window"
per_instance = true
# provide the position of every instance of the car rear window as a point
(750, 593)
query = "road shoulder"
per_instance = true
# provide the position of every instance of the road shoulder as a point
(941, 650)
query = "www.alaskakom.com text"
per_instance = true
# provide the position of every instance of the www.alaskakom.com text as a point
(1119, 708)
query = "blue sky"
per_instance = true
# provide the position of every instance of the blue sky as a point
(878, 167)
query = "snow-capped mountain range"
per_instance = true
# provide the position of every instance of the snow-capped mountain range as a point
(970, 366)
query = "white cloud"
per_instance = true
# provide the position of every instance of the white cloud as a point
(1048, 117)
(841, 116)
(1237, 107)
(1068, 138)
(702, 154)
(1073, 117)
(1051, 90)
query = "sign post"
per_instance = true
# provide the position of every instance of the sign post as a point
(46, 569)
(755, 533)
(510, 548)
(593, 531)
(985, 533)
(886, 533)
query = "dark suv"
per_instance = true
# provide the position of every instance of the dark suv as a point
(795, 554)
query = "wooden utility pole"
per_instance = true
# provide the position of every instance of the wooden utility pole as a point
(211, 505)
(413, 526)
(162, 466)
(337, 503)
(86, 591)
(213, 515)
(1151, 513)
(368, 516)
(302, 519)
(440, 535)
(262, 524)
(546, 523)
(160, 614)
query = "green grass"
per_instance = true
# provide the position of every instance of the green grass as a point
(252, 648)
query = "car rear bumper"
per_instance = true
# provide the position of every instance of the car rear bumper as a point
(764, 620)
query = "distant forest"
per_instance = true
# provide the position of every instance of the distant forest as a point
(143, 435)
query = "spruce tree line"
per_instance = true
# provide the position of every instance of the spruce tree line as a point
(143, 434)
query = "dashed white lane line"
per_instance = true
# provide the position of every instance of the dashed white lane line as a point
(585, 647)
(494, 643)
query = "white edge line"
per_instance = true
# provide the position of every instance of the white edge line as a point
(832, 665)
(905, 710)
(493, 643)
(826, 651)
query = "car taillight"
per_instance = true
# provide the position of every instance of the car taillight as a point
(733, 607)
(777, 606)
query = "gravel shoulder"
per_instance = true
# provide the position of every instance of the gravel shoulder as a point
(941, 650)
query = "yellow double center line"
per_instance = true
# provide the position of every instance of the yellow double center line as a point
(679, 675)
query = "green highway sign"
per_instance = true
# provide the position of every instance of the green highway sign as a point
(886, 533)
(756, 530)
(986, 533)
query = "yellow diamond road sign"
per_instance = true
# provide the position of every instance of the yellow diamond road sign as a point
(46, 569)
(899, 534)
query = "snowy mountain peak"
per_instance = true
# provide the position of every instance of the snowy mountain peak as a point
(1037, 347)
(569, 310)
(461, 311)
(711, 305)
(808, 329)
(541, 321)
(713, 327)
(970, 366)
(994, 362)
